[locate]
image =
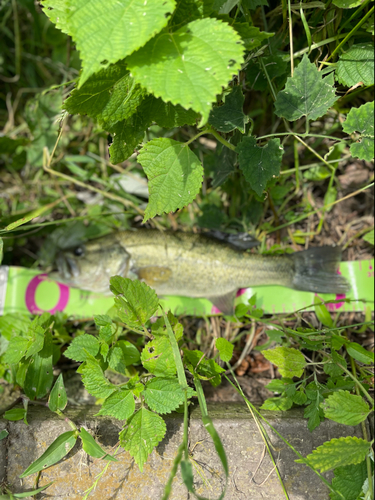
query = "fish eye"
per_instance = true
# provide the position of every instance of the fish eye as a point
(78, 252)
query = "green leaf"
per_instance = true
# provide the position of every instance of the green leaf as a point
(314, 413)
(127, 134)
(205, 369)
(359, 353)
(157, 357)
(94, 379)
(123, 354)
(103, 320)
(331, 368)
(16, 350)
(92, 448)
(190, 66)
(288, 360)
(164, 395)
(361, 120)
(107, 32)
(25, 494)
(322, 312)
(345, 408)
(251, 36)
(82, 347)
(144, 431)
(120, 405)
(225, 349)
(166, 114)
(356, 65)
(189, 10)
(55, 452)
(307, 93)
(299, 398)
(58, 398)
(277, 404)
(348, 480)
(337, 453)
(230, 115)
(275, 66)
(39, 376)
(136, 301)
(347, 4)
(259, 164)
(15, 414)
(3, 434)
(174, 172)
(369, 237)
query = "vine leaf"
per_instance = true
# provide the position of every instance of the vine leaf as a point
(105, 32)
(120, 405)
(145, 430)
(337, 452)
(230, 116)
(164, 395)
(259, 165)
(190, 66)
(174, 172)
(288, 360)
(362, 120)
(345, 408)
(356, 65)
(307, 93)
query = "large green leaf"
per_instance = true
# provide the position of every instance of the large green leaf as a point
(157, 357)
(82, 347)
(145, 430)
(349, 481)
(164, 395)
(259, 164)
(189, 67)
(174, 172)
(337, 453)
(105, 32)
(230, 116)
(166, 114)
(361, 120)
(307, 93)
(94, 380)
(347, 4)
(356, 65)
(345, 408)
(91, 447)
(120, 405)
(288, 360)
(127, 134)
(39, 376)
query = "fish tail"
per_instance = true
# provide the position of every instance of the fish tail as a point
(316, 270)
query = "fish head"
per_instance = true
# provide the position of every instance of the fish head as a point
(89, 266)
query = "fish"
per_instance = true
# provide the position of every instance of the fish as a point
(195, 265)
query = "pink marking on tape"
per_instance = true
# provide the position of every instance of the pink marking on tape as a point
(31, 291)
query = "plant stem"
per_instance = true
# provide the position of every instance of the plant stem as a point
(319, 136)
(354, 15)
(221, 139)
(291, 38)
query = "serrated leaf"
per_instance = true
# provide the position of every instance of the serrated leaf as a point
(127, 135)
(277, 404)
(91, 447)
(275, 66)
(332, 369)
(361, 120)
(95, 381)
(164, 395)
(279, 385)
(288, 360)
(16, 349)
(58, 398)
(230, 115)
(225, 349)
(307, 93)
(348, 481)
(359, 353)
(369, 237)
(157, 358)
(206, 369)
(190, 66)
(337, 453)
(102, 320)
(189, 10)
(55, 452)
(299, 398)
(345, 408)
(251, 36)
(174, 172)
(107, 32)
(166, 114)
(81, 347)
(314, 414)
(356, 65)
(322, 312)
(136, 301)
(259, 164)
(120, 405)
(144, 431)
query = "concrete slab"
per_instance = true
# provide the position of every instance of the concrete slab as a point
(252, 477)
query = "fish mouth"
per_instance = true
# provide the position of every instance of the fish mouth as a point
(66, 266)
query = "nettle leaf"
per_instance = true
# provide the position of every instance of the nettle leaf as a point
(225, 349)
(127, 135)
(205, 369)
(157, 357)
(164, 395)
(123, 354)
(361, 120)
(356, 65)
(94, 380)
(58, 398)
(105, 32)
(277, 404)
(120, 405)
(230, 115)
(189, 10)
(190, 66)
(349, 481)
(307, 93)
(251, 36)
(174, 172)
(137, 302)
(166, 114)
(288, 360)
(345, 408)
(145, 430)
(16, 350)
(81, 347)
(337, 453)
(91, 447)
(275, 66)
(259, 164)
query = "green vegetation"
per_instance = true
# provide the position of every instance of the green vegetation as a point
(236, 116)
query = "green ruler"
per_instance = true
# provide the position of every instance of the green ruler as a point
(29, 291)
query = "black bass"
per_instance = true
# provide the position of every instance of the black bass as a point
(194, 265)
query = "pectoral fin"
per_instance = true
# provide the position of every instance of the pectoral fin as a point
(154, 275)
(225, 303)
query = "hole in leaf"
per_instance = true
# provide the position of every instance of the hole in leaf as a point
(104, 62)
(151, 350)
